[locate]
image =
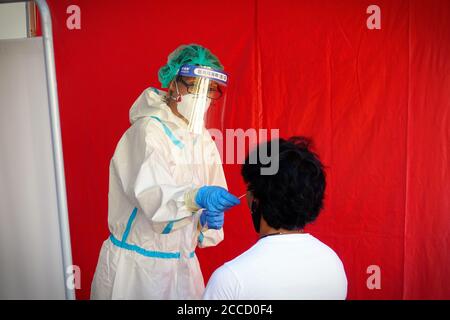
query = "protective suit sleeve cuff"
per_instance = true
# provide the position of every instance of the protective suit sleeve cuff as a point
(201, 228)
(189, 199)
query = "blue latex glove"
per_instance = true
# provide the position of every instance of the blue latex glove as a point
(216, 199)
(213, 220)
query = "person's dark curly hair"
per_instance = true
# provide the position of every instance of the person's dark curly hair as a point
(292, 197)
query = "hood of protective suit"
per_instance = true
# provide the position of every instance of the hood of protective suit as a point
(151, 103)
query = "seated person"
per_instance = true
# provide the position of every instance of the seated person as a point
(286, 262)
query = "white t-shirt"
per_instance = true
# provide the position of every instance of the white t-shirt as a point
(287, 266)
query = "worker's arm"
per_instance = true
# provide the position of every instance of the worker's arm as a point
(152, 186)
(208, 237)
(211, 237)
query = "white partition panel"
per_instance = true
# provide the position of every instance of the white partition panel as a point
(31, 262)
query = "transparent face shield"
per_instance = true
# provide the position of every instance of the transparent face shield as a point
(200, 91)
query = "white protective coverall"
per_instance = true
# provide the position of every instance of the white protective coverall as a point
(150, 253)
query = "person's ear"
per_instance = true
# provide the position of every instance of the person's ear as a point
(254, 206)
(249, 198)
(252, 197)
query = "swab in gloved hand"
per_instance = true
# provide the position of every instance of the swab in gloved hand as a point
(215, 198)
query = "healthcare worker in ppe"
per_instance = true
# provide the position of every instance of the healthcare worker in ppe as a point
(167, 189)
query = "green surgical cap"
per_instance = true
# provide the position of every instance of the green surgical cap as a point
(186, 54)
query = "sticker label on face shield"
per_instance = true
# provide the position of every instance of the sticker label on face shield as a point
(195, 71)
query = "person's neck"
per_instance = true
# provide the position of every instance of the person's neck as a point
(266, 230)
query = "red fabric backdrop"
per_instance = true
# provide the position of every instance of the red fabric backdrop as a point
(376, 102)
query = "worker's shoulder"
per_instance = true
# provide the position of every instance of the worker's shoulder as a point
(141, 137)
(150, 128)
(147, 124)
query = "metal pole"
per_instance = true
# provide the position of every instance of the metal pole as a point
(47, 36)
(58, 160)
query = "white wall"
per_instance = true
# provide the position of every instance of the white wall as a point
(13, 20)
(30, 247)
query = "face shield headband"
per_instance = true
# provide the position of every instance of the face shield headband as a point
(203, 86)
